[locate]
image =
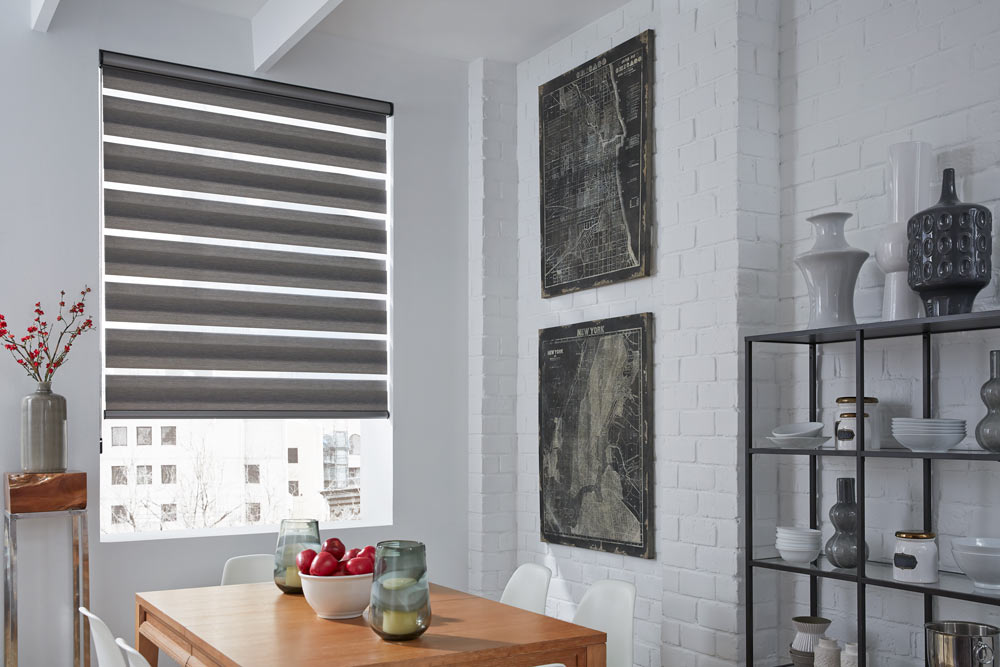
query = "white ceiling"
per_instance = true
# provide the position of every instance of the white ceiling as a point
(507, 30)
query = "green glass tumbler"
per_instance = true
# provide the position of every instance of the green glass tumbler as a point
(401, 600)
(295, 535)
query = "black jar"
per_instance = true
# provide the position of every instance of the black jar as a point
(949, 252)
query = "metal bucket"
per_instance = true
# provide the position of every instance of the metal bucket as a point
(962, 644)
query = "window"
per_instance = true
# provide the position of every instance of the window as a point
(119, 436)
(119, 475)
(168, 512)
(245, 290)
(252, 474)
(168, 474)
(119, 514)
(293, 488)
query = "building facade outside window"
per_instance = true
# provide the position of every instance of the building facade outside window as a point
(253, 512)
(119, 436)
(168, 512)
(168, 435)
(144, 475)
(143, 435)
(119, 515)
(252, 473)
(293, 488)
(119, 475)
(168, 474)
(293, 454)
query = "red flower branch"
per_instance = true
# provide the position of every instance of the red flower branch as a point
(32, 352)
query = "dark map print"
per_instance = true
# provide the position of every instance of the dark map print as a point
(594, 155)
(594, 434)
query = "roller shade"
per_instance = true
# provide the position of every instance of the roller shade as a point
(245, 246)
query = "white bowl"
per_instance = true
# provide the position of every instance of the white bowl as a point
(337, 597)
(798, 530)
(928, 442)
(798, 430)
(977, 545)
(799, 556)
(921, 429)
(982, 568)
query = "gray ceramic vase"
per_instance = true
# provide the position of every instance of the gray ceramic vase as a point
(43, 431)
(842, 548)
(988, 429)
(949, 252)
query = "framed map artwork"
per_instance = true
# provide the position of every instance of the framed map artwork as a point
(595, 170)
(595, 434)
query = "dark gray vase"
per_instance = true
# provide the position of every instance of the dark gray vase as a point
(842, 548)
(949, 251)
(988, 430)
(43, 431)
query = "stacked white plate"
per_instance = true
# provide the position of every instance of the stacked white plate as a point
(928, 435)
(797, 545)
(802, 435)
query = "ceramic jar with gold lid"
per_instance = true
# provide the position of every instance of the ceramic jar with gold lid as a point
(915, 559)
(873, 436)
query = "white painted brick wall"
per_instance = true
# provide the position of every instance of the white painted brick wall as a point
(492, 325)
(857, 76)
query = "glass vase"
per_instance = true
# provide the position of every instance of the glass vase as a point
(401, 604)
(43, 431)
(842, 548)
(988, 429)
(295, 536)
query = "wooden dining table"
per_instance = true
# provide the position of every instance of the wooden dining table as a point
(254, 625)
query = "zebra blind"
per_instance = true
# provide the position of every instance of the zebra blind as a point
(244, 246)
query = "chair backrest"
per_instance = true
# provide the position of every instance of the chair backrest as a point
(135, 658)
(609, 606)
(108, 654)
(252, 569)
(528, 588)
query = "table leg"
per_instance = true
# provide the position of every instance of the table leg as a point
(85, 575)
(596, 655)
(75, 534)
(143, 644)
(10, 589)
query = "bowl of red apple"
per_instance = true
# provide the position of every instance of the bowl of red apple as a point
(337, 581)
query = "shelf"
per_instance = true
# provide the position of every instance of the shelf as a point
(954, 585)
(879, 330)
(951, 455)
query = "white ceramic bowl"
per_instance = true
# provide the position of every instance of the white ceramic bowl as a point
(337, 597)
(798, 529)
(798, 430)
(928, 442)
(977, 545)
(931, 431)
(799, 556)
(982, 568)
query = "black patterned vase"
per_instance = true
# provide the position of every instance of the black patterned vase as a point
(949, 251)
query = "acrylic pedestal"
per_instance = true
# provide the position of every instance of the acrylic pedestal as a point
(42, 495)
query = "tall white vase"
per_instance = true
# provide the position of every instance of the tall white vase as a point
(831, 269)
(911, 171)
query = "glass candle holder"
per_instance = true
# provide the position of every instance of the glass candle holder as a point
(401, 603)
(295, 536)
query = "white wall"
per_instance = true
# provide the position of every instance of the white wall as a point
(857, 76)
(50, 186)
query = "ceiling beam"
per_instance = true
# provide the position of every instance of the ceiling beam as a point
(280, 24)
(42, 12)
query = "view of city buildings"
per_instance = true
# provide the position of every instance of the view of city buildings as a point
(167, 475)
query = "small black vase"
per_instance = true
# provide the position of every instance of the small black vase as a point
(949, 251)
(842, 548)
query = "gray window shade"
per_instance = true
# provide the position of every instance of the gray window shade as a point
(245, 246)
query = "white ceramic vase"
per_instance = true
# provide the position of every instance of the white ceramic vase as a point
(827, 653)
(911, 171)
(849, 656)
(831, 269)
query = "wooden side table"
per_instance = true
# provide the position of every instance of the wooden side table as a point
(36, 495)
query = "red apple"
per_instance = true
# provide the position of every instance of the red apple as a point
(368, 552)
(304, 560)
(360, 565)
(323, 565)
(352, 553)
(335, 548)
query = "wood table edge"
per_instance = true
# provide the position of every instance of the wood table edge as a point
(145, 631)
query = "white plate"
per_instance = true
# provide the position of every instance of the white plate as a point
(799, 443)
(798, 430)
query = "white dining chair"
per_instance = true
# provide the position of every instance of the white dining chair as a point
(528, 588)
(609, 606)
(135, 658)
(107, 651)
(252, 569)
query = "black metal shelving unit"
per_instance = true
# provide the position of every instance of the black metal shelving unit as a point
(870, 573)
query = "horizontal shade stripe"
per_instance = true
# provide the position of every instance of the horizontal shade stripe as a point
(258, 310)
(148, 121)
(194, 328)
(287, 375)
(201, 351)
(171, 395)
(271, 289)
(235, 98)
(193, 261)
(236, 178)
(140, 211)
